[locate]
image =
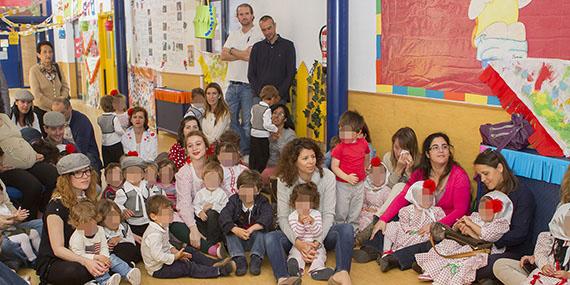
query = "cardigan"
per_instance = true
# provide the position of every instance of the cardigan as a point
(261, 213)
(45, 91)
(454, 201)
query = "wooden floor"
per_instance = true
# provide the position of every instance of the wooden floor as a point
(361, 273)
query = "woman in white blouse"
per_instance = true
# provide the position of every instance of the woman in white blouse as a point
(217, 118)
(138, 137)
(23, 114)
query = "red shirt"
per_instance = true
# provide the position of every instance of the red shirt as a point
(351, 157)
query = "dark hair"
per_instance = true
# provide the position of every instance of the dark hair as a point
(41, 44)
(288, 120)
(110, 166)
(287, 166)
(106, 103)
(157, 202)
(352, 119)
(105, 206)
(249, 178)
(166, 162)
(28, 117)
(244, 5)
(226, 147)
(180, 138)
(425, 163)
(63, 100)
(305, 189)
(48, 150)
(333, 142)
(222, 108)
(229, 136)
(492, 159)
(366, 133)
(136, 110)
(265, 18)
(198, 92)
(199, 134)
(407, 140)
(1, 152)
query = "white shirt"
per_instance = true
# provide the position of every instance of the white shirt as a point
(113, 138)
(147, 148)
(218, 198)
(231, 174)
(267, 123)
(155, 248)
(212, 130)
(86, 247)
(142, 195)
(237, 69)
(35, 124)
(129, 237)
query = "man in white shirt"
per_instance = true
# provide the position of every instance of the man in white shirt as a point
(239, 95)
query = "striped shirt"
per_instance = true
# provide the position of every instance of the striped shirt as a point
(307, 232)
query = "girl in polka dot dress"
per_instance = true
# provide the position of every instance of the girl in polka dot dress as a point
(489, 223)
(376, 193)
(413, 217)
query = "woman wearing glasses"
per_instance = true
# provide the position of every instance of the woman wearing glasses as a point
(57, 264)
(281, 118)
(452, 195)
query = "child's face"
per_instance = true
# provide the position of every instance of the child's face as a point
(115, 177)
(212, 180)
(303, 204)
(112, 220)
(228, 159)
(150, 175)
(89, 228)
(247, 194)
(347, 134)
(486, 211)
(166, 174)
(426, 200)
(198, 101)
(134, 175)
(378, 175)
(164, 216)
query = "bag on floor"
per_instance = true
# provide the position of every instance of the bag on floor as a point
(439, 232)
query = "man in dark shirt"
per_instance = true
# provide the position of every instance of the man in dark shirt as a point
(272, 61)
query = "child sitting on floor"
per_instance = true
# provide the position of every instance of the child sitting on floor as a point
(120, 238)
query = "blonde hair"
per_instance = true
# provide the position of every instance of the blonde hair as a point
(64, 191)
(215, 167)
(83, 212)
(268, 92)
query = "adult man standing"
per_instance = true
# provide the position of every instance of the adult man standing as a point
(272, 61)
(240, 94)
(79, 131)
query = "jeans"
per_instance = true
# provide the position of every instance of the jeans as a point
(7, 276)
(340, 238)
(199, 266)
(239, 98)
(255, 244)
(12, 253)
(117, 266)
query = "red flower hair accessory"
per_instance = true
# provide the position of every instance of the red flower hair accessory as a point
(496, 205)
(132, 153)
(114, 92)
(429, 185)
(70, 148)
(376, 161)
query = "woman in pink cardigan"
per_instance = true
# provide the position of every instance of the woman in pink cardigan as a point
(452, 195)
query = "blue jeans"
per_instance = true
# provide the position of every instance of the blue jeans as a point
(239, 98)
(117, 266)
(255, 244)
(340, 238)
(7, 276)
(12, 251)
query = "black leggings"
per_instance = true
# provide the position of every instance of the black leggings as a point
(128, 252)
(65, 272)
(210, 228)
(36, 185)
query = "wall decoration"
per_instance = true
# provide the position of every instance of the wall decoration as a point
(142, 82)
(214, 69)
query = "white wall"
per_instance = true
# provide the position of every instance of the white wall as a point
(297, 20)
(362, 45)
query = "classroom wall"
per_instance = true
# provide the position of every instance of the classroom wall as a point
(385, 114)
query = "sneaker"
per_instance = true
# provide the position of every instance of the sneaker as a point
(241, 265)
(322, 274)
(340, 278)
(114, 280)
(134, 276)
(387, 262)
(425, 277)
(365, 234)
(289, 281)
(228, 268)
(417, 268)
(293, 267)
(218, 250)
(255, 265)
(365, 254)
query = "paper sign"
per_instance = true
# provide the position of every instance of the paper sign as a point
(13, 38)
(3, 54)
(4, 43)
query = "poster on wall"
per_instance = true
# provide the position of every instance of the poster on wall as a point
(142, 82)
(444, 46)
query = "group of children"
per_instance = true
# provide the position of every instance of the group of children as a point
(113, 123)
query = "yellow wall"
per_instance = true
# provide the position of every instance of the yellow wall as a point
(68, 70)
(385, 114)
(180, 81)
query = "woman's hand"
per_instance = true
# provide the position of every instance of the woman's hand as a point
(195, 237)
(4, 168)
(379, 226)
(561, 274)
(548, 270)
(39, 157)
(425, 230)
(527, 259)
(95, 268)
(307, 251)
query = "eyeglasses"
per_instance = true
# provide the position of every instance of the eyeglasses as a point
(438, 148)
(279, 114)
(82, 173)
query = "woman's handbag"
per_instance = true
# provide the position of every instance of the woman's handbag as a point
(439, 232)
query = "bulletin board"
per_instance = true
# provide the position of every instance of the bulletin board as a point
(162, 36)
(438, 49)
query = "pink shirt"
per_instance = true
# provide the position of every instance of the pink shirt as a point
(187, 184)
(454, 202)
(351, 157)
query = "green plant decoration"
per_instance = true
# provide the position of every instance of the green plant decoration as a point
(317, 93)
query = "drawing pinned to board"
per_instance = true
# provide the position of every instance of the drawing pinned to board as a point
(191, 61)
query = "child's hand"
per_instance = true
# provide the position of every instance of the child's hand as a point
(207, 206)
(308, 220)
(103, 259)
(527, 259)
(548, 270)
(182, 255)
(561, 274)
(39, 157)
(137, 238)
(127, 213)
(21, 214)
(113, 242)
(203, 216)
(425, 230)
(240, 233)
(352, 179)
